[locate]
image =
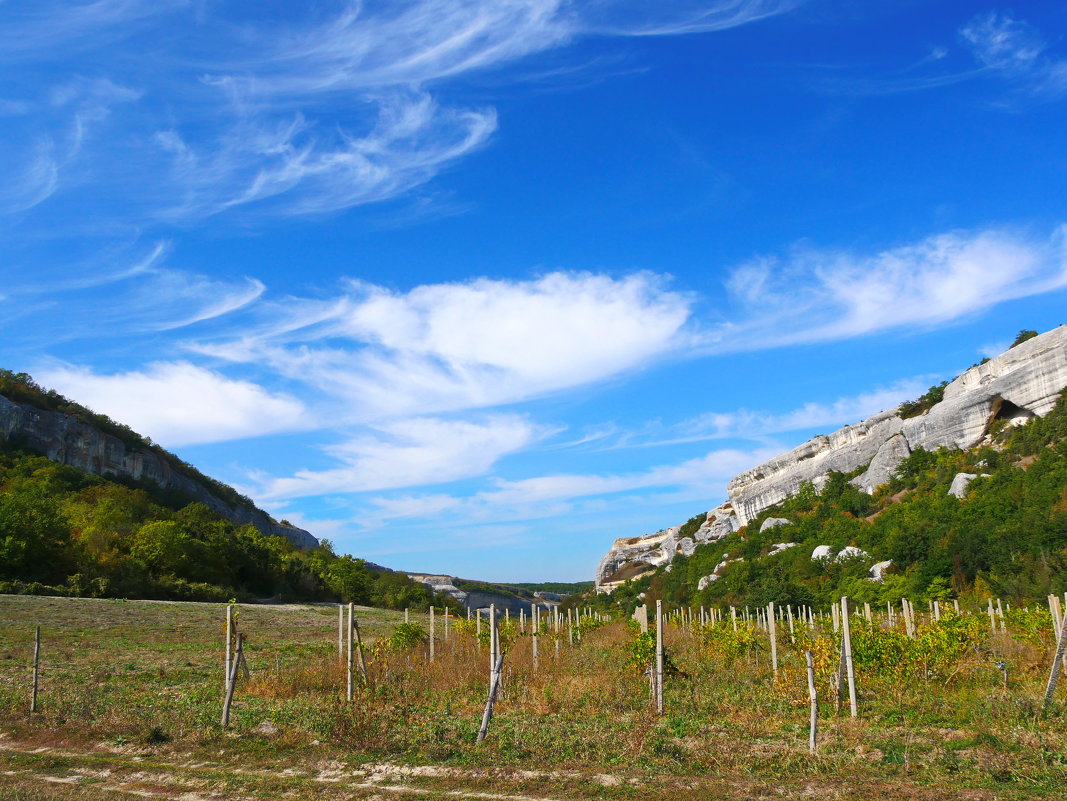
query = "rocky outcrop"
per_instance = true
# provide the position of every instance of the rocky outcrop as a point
(633, 557)
(483, 598)
(1023, 382)
(960, 482)
(65, 439)
(878, 570)
(774, 522)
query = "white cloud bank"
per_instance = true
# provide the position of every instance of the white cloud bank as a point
(414, 452)
(178, 403)
(454, 347)
(826, 295)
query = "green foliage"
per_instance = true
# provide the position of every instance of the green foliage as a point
(1022, 336)
(64, 532)
(923, 403)
(407, 636)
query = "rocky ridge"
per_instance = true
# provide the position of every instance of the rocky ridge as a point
(1020, 383)
(65, 439)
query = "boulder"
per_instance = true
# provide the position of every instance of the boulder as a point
(960, 482)
(878, 569)
(884, 464)
(778, 547)
(821, 552)
(773, 522)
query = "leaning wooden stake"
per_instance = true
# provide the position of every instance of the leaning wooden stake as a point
(813, 727)
(359, 653)
(850, 671)
(36, 667)
(231, 682)
(494, 677)
(659, 657)
(1057, 666)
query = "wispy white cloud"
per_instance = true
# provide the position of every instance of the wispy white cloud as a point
(823, 295)
(412, 452)
(843, 411)
(450, 347)
(177, 403)
(997, 46)
(563, 493)
(320, 113)
(33, 183)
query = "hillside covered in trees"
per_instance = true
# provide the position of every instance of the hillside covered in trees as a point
(1007, 537)
(67, 532)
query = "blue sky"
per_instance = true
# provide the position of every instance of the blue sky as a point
(476, 287)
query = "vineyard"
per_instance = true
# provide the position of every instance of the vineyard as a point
(131, 694)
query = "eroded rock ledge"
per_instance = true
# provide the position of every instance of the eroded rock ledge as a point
(1021, 383)
(64, 439)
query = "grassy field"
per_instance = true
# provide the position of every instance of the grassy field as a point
(131, 694)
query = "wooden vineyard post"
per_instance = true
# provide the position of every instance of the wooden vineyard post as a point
(407, 614)
(231, 682)
(1057, 666)
(229, 645)
(534, 624)
(555, 628)
(813, 696)
(492, 637)
(837, 625)
(992, 616)
(772, 632)
(494, 674)
(846, 640)
(359, 653)
(733, 617)
(659, 657)
(340, 632)
(1000, 615)
(792, 637)
(867, 612)
(432, 633)
(36, 668)
(350, 679)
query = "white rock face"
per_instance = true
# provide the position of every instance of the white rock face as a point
(960, 481)
(774, 522)
(878, 569)
(632, 557)
(824, 552)
(884, 464)
(781, 546)
(1021, 383)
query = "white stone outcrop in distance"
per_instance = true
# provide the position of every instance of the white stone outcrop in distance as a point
(774, 522)
(1023, 382)
(960, 482)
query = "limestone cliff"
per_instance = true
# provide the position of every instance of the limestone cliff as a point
(1021, 383)
(65, 439)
